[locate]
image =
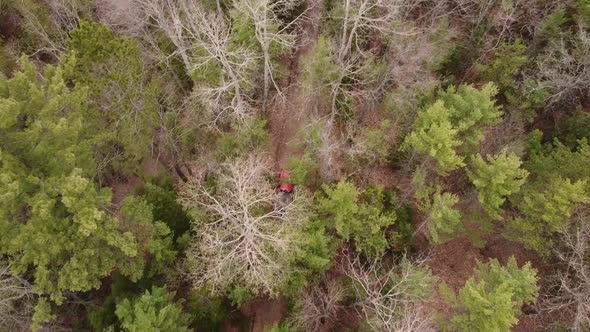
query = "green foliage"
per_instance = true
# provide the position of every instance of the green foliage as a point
(506, 62)
(283, 327)
(404, 226)
(244, 34)
(301, 168)
(153, 237)
(444, 221)
(103, 317)
(360, 216)
(152, 312)
(582, 15)
(166, 209)
(6, 62)
(43, 314)
(492, 298)
(249, 136)
(320, 68)
(455, 120)
(318, 248)
(434, 134)
(574, 128)
(546, 212)
(471, 110)
(56, 220)
(124, 99)
(559, 182)
(422, 190)
(239, 295)
(496, 179)
(371, 143)
(52, 216)
(207, 313)
(340, 202)
(550, 27)
(555, 159)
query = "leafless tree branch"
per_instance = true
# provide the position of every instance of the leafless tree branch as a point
(252, 234)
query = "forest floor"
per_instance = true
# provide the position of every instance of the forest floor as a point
(452, 262)
(287, 115)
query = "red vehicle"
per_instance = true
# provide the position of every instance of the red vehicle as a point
(284, 186)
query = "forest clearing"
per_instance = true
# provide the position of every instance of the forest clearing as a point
(295, 165)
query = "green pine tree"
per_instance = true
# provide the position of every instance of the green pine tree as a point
(490, 301)
(444, 221)
(153, 311)
(122, 95)
(496, 179)
(360, 216)
(471, 110)
(435, 135)
(53, 217)
(546, 212)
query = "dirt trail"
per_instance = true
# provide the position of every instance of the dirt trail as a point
(288, 113)
(286, 116)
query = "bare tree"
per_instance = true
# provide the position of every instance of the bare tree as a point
(123, 16)
(570, 287)
(269, 31)
(203, 41)
(319, 138)
(359, 19)
(390, 298)
(318, 306)
(16, 301)
(253, 234)
(565, 69)
(51, 31)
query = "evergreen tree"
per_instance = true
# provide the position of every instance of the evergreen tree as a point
(360, 216)
(490, 300)
(455, 121)
(444, 221)
(556, 159)
(435, 135)
(53, 218)
(123, 98)
(152, 312)
(546, 212)
(496, 179)
(558, 184)
(471, 110)
(506, 62)
(321, 71)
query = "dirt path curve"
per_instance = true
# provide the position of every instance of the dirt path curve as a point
(288, 113)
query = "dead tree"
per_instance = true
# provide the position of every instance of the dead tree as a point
(203, 41)
(565, 69)
(16, 301)
(52, 30)
(318, 306)
(390, 298)
(269, 31)
(349, 53)
(570, 287)
(250, 236)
